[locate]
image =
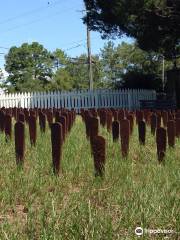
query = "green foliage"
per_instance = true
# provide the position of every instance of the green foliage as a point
(110, 59)
(28, 66)
(134, 79)
(73, 72)
(1, 74)
(132, 57)
(126, 62)
(155, 24)
(33, 68)
(60, 58)
(77, 71)
(61, 81)
(1, 79)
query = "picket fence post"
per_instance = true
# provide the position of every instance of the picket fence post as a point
(77, 99)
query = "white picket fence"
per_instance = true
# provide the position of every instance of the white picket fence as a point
(127, 99)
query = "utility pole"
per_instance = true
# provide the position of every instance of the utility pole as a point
(89, 57)
(89, 52)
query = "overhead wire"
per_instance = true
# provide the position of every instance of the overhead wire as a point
(68, 49)
(30, 12)
(75, 42)
(47, 17)
(37, 20)
(82, 41)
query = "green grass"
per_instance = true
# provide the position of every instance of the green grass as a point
(35, 204)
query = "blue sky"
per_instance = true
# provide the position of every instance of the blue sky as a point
(53, 23)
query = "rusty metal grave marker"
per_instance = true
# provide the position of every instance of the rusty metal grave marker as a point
(32, 130)
(142, 132)
(115, 130)
(171, 132)
(56, 143)
(161, 142)
(8, 127)
(125, 135)
(19, 142)
(99, 153)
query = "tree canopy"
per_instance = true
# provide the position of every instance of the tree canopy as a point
(28, 66)
(128, 66)
(31, 67)
(155, 24)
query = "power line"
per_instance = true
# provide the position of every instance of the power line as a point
(82, 41)
(47, 17)
(67, 49)
(29, 12)
(79, 45)
(76, 42)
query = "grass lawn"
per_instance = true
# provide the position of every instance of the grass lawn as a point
(35, 204)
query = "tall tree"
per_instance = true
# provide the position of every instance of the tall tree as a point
(60, 58)
(155, 24)
(78, 70)
(110, 60)
(29, 67)
(123, 63)
(62, 80)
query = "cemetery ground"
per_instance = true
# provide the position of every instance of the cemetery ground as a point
(135, 192)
